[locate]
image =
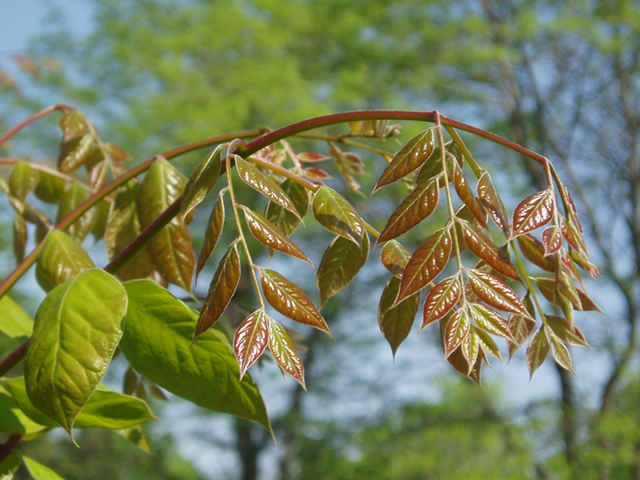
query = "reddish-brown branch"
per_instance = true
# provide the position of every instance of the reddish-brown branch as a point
(8, 446)
(33, 118)
(13, 358)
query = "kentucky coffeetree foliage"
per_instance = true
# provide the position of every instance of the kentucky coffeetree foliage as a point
(480, 273)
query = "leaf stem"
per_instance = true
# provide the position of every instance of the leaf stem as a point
(527, 280)
(472, 161)
(285, 173)
(50, 171)
(7, 447)
(33, 118)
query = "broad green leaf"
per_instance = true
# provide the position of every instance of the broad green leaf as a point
(552, 240)
(14, 321)
(12, 419)
(426, 263)
(281, 217)
(60, 259)
(50, 188)
(561, 353)
(484, 248)
(19, 236)
(23, 180)
(457, 330)
(533, 250)
(409, 158)
(490, 200)
(495, 292)
(212, 234)
(441, 299)
(158, 344)
(396, 321)
(122, 227)
(567, 332)
(136, 436)
(271, 236)
(39, 471)
(9, 465)
(263, 184)
(77, 328)
(337, 215)
(73, 197)
(284, 352)
(105, 408)
(98, 169)
(170, 250)
(538, 350)
(73, 124)
(533, 212)
(466, 195)
(102, 216)
(202, 181)
(394, 257)
(490, 321)
(289, 299)
(221, 290)
(421, 203)
(250, 340)
(339, 266)
(75, 152)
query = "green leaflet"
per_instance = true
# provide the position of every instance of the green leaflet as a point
(212, 234)
(39, 471)
(280, 216)
(339, 266)
(14, 322)
(396, 322)
(9, 465)
(102, 214)
(170, 250)
(60, 259)
(157, 342)
(202, 180)
(23, 180)
(73, 197)
(538, 350)
(77, 328)
(337, 215)
(12, 419)
(50, 188)
(105, 409)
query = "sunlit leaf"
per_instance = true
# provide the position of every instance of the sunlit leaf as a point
(489, 320)
(548, 287)
(39, 471)
(339, 266)
(77, 328)
(421, 203)
(158, 344)
(13, 420)
(50, 188)
(289, 299)
(271, 236)
(521, 327)
(263, 184)
(457, 329)
(284, 352)
(23, 180)
(212, 234)
(14, 321)
(312, 157)
(426, 263)
(409, 158)
(533, 250)
(60, 259)
(490, 200)
(495, 292)
(281, 217)
(316, 174)
(202, 181)
(221, 290)
(552, 240)
(561, 353)
(170, 249)
(484, 248)
(573, 237)
(337, 215)
(485, 342)
(465, 193)
(73, 197)
(122, 227)
(73, 124)
(19, 236)
(432, 168)
(441, 299)
(567, 332)
(396, 321)
(250, 340)
(102, 216)
(533, 212)
(538, 350)
(394, 257)
(75, 152)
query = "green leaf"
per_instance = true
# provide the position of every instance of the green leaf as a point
(170, 250)
(281, 217)
(533, 250)
(73, 124)
(339, 266)
(409, 158)
(490, 321)
(9, 465)
(538, 350)
(396, 321)
(12, 419)
(521, 327)
(122, 227)
(202, 181)
(394, 257)
(50, 188)
(102, 215)
(289, 299)
(495, 292)
(212, 234)
(426, 263)
(73, 197)
(221, 290)
(337, 215)
(466, 195)
(548, 287)
(23, 180)
(14, 321)
(77, 328)
(421, 203)
(60, 259)
(157, 343)
(105, 408)
(19, 236)
(457, 330)
(136, 436)
(39, 471)
(567, 332)
(490, 200)
(250, 340)
(484, 248)
(284, 352)
(263, 184)
(561, 353)
(271, 236)
(75, 152)
(533, 212)
(441, 299)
